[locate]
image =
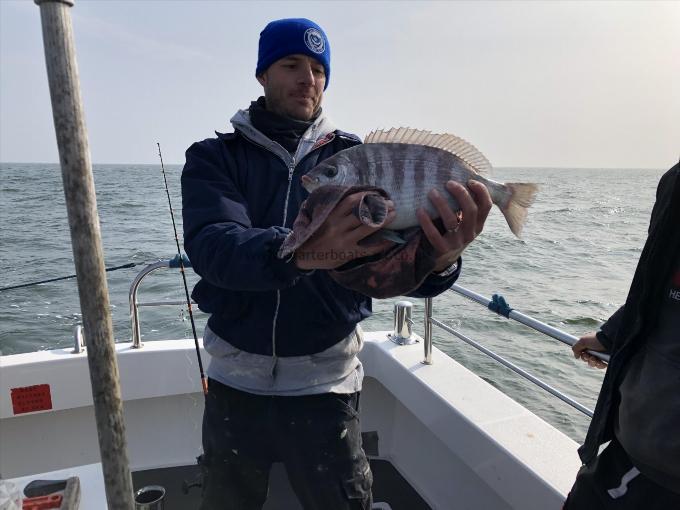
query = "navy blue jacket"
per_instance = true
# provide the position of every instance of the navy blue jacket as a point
(234, 192)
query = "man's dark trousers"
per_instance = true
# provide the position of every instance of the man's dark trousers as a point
(317, 437)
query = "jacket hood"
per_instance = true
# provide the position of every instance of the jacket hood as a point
(319, 129)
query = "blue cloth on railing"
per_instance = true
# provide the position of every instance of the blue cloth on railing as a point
(500, 306)
(174, 261)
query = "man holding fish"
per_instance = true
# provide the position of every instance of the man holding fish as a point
(284, 376)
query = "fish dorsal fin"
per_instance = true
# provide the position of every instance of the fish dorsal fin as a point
(449, 143)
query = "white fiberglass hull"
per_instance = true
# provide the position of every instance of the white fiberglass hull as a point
(458, 441)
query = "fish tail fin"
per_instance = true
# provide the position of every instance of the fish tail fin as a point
(515, 210)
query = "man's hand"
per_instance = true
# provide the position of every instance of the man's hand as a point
(462, 227)
(336, 242)
(591, 343)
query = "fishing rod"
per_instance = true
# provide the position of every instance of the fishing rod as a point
(204, 381)
(59, 278)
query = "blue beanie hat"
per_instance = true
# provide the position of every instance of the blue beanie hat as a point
(285, 37)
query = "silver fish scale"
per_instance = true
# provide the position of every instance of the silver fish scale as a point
(408, 172)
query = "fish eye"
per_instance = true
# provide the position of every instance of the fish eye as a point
(331, 172)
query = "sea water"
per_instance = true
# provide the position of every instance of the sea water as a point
(572, 269)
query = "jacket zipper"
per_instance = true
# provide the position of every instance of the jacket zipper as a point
(291, 170)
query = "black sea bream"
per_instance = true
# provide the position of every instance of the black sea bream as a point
(408, 163)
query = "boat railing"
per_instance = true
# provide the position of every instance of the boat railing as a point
(78, 339)
(403, 324)
(498, 305)
(134, 287)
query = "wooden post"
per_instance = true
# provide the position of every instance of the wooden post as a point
(81, 205)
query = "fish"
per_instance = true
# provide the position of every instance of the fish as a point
(407, 163)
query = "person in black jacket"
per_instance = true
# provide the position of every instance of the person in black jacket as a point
(638, 409)
(284, 376)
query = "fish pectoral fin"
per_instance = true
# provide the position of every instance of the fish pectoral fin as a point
(392, 235)
(379, 236)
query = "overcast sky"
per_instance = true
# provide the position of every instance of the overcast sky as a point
(562, 84)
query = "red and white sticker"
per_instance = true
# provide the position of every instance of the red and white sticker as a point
(30, 399)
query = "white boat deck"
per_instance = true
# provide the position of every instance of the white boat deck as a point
(450, 434)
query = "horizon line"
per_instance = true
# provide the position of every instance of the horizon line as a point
(504, 167)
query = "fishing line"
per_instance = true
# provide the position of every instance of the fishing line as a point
(124, 266)
(204, 381)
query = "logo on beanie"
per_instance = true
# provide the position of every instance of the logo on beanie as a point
(314, 40)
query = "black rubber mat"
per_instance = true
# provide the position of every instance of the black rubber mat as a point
(388, 487)
(391, 488)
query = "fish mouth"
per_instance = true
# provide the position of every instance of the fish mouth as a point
(309, 183)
